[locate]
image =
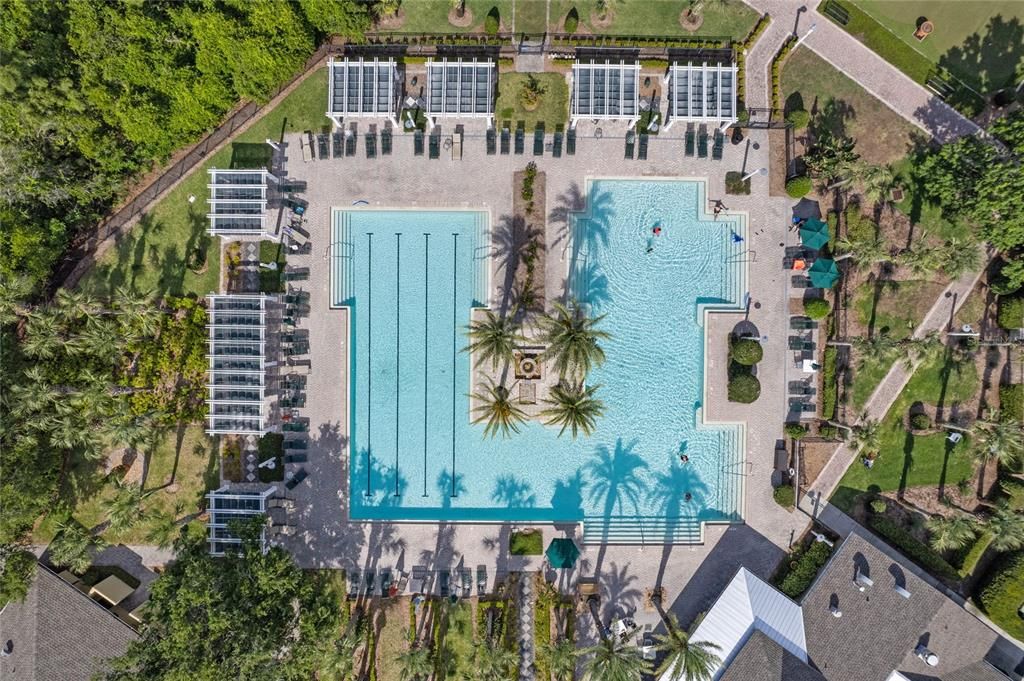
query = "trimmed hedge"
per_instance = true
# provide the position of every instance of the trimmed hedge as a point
(798, 187)
(735, 184)
(1011, 402)
(801, 568)
(913, 549)
(1002, 592)
(1011, 312)
(785, 496)
(784, 51)
(829, 387)
(795, 430)
(492, 22)
(572, 21)
(747, 351)
(744, 388)
(969, 559)
(817, 308)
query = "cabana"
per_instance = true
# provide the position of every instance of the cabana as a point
(460, 89)
(235, 377)
(227, 505)
(362, 88)
(605, 91)
(702, 93)
(238, 203)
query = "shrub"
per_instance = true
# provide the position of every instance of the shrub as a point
(801, 568)
(735, 184)
(16, 576)
(878, 506)
(920, 421)
(1011, 312)
(795, 430)
(968, 560)
(572, 21)
(1011, 402)
(785, 496)
(526, 543)
(829, 387)
(798, 118)
(798, 187)
(744, 388)
(908, 544)
(747, 351)
(828, 432)
(1002, 592)
(1014, 491)
(817, 308)
(492, 22)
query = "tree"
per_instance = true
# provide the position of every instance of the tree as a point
(573, 340)
(922, 258)
(338, 661)
(614, 660)
(531, 92)
(73, 545)
(864, 250)
(491, 663)
(831, 157)
(124, 509)
(1007, 528)
(164, 528)
(685, 658)
(959, 256)
(573, 406)
(497, 410)
(876, 182)
(951, 533)
(999, 440)
(16, 569)
(493, 338)
(415, 664)
(561, 658)
(262, 616)
(867, 438)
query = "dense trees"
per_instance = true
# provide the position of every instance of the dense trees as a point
(92, 93)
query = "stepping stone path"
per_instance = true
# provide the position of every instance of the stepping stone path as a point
(250, 278)
(250, 458)
(525, 606)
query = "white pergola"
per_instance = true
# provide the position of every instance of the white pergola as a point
(235, 377)
(363, 88)
(225, 506)
(704, 93)
(238, 202)
(606, 91)
(460, 89)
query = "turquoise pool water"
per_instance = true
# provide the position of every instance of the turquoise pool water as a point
(411, 278)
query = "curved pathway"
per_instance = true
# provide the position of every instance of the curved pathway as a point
(883, 80)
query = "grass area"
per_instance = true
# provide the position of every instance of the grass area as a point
(925, 215)
(182, 468)
(811, 83)
(271, 281)
(552, 110)
(729, 18)
(980, 42)
(527, 543)
(900, 307)
(153, 255)
(908, 460)
(866, 378)
(459, 638)
(431, 16)
(394, 637)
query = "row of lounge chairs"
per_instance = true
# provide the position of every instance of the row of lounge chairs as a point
(699, 139)
(503, 140)
(340, 144)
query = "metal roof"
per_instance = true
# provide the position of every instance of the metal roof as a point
(607, 90)
(460, 88)
(362, 87)
(702, 92)
(235, 377)
(227, 505)
(238, 202)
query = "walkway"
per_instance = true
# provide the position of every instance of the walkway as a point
(527, 603)
(883, 80)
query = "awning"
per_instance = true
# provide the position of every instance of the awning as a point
(562, 553)
(824, 273)
(814, 234)
(112, 590)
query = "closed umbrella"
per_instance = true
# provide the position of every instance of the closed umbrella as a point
(823, 273)
(814, 234)
(562, 553)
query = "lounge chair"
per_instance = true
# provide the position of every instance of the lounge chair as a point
(798, 343)
(295, 458)
(350, 144)
(481, 580)
(538, 140)
(801, 281)
(445, 578)
(457, 144)
(339, 144)
(556, 149)
(355, 579)
(690, 139)
(369, 582)
(719, 145)
(371, 145)
(798, 405)
(802, 324)
(506, 138)
(295, 427)
(492, 147)
(385, 142)
(520, 138)
(296, 444)
(642, 151)
(417, 139)
(702, 141)
(292, 402)
(323, 144)
(307, 152)
(296, 274)
(299, 476)
(466, 582)
(801, 388)
(630, 144)
(570, 142)
(385, 582)
(435, 145)
(311, 142)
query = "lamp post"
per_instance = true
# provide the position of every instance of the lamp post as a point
(804, 36)
(759, 171)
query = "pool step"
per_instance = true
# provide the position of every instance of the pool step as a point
(639, 530)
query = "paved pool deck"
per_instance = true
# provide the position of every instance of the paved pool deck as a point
(690, 575)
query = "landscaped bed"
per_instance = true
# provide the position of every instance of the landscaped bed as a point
(551, 107)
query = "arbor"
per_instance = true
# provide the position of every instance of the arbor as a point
(951, 533)
(573, 406)
(262, 616)
(613, 660)
(493, 338)
(573, 340)
(685, 658)
(497, 410)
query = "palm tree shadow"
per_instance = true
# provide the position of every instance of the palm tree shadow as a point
(671, 489)
(620, 596)
(613, 481)
(513, 492)
(509, 242)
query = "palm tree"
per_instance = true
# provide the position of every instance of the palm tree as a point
(572, 338)
(1007, 528)
(864, 250)
(1002, 440)
(72, 545)
(561, 658)
(415, 664)
(867, 438)
(493, 338)
(492, 663)
(339, 659)
(921, 258)
(138, 310)
(124, 509)
(876, 182)
(163, 529)
(497, 410)
(685, 659)
(922, 349)
(613, 660)
(959, 256)
(74, 305)
(951, 533)
(573, 407)
(14, 289)
(33, 395)
(880, 346)
(42, 336)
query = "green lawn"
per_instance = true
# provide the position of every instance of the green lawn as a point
(459, 638)
(152, 256)
(925, 215)
(431, 16)
(554, 105)
(729, 18)
(908, 460)
(901, 305)
(182, 468)
(808, 81)
(980, 42)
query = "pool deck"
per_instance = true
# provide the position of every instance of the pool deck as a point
(690, 575)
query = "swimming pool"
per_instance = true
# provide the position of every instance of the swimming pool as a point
(411, 279)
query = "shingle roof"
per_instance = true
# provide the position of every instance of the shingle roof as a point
(59, 633)
(762, 659)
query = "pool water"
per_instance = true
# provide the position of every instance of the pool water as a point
(411, 279)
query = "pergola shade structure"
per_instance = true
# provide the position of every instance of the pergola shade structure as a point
(238, 202)
(366, 88)
(605, 90)
(702, 92)
(235, 377)
(460, 88)
(226, 506)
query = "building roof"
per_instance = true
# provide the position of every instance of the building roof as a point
(59, 633)
(881, 627)
(762, 659)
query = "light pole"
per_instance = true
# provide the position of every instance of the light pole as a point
(804, 37)
(760, 171)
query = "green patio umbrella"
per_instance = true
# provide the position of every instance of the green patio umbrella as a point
(814, 234)
(562, 553)
(824, 273)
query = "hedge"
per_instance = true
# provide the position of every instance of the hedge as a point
(798, 118)
(784, 51)
(492, 22)
(744, 389)
(920, 421)
(913, 549)
(572, 21)
(798, 187)
(1002, 593)
(785, 496)
(500, 617)
(527, 543)
(1011, 312)
(969, 559)
(795, 430)
(747, 351)
(817, 308)
(801, 567)
(829, 386)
